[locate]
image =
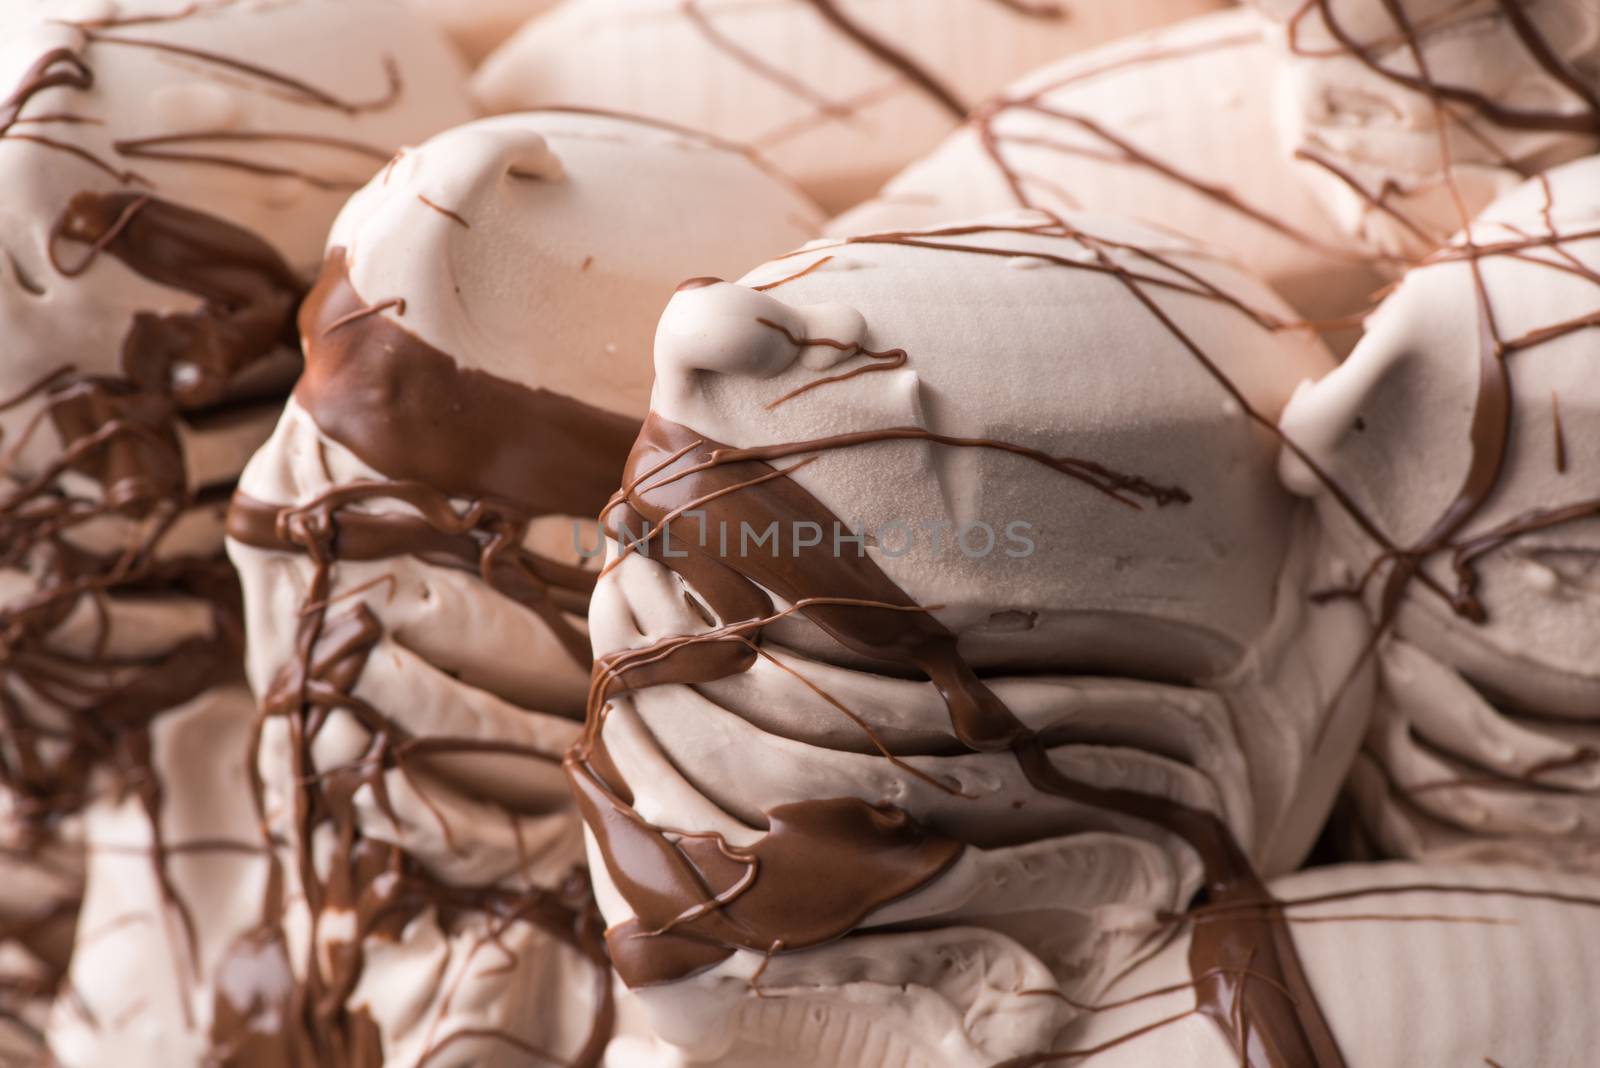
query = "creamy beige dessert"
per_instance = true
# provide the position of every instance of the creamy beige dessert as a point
(1437, 964)
(1412, 115)
(412, 547)
(915, 702)
(1458, 452)
(838, 93)
(170, 174)
(478, 27)
(1170, 127)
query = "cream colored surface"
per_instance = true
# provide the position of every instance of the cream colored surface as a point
(41, 882)
(1484, 740)
(1173, 128)
(1455, 974)
(139, 92)
(140, 990)
(555, 282)
(1344, 100)
(479, 26)
(1063, 358)
(149, 997)
(578, 228)
(340, 50)
(775, 74)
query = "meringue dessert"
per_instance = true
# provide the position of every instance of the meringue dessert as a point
(1488, 949)
(1161, 127)
(886, 737)
(415, 581)
(819, 534)
(1457, 448)
(839, 94)
(1405, 114)
(171, 173)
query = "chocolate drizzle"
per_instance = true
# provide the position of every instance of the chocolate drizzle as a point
(250, 294)
(468, 489)
(120, 432)
(1586, 121)
(1073, 134)
(294, 89)
(64, 715)
(503, 452)
(1490, 431)
(1274, 1023)
(69, 69)
(884, 51)
(57, 67)
(1460, 106)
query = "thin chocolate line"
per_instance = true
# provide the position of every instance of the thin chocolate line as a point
(446, 212)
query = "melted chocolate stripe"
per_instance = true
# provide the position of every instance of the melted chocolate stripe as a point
(374, 387)
(1501, 115)
(59, 67)
(891, 56)
(299, 91)
(474, 487)
(695, 922)
(120, 431)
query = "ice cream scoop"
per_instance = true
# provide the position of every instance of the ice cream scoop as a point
(949, 595)
(1412, 964)
(171, 172)
(1172, 127)
(412, 548)
(1454, 458)
(839, 93)
(1412, 115)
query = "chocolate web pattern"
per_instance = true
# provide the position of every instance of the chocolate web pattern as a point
(719, 900)
(1032, 190)
(1399, 570)
(120, 433)
(536, 453)
(905, 68)
(1245, 973)
(1455, 106)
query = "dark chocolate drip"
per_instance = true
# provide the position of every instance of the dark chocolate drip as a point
(1035, 9)
(705, 897)
(485, 537)
(693, 920)
(94, 710)
(174, 148)
(1558, 437)
(271, 1012)
(886, 52)
(453, 216)
(1491, 428)
(758, 63)
(294, 89)
(474, 459)
(887, 360)
(1532, 39)
(890, 55)
(376, 389)
(250, 294)
(121, 433)
(59, 67)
